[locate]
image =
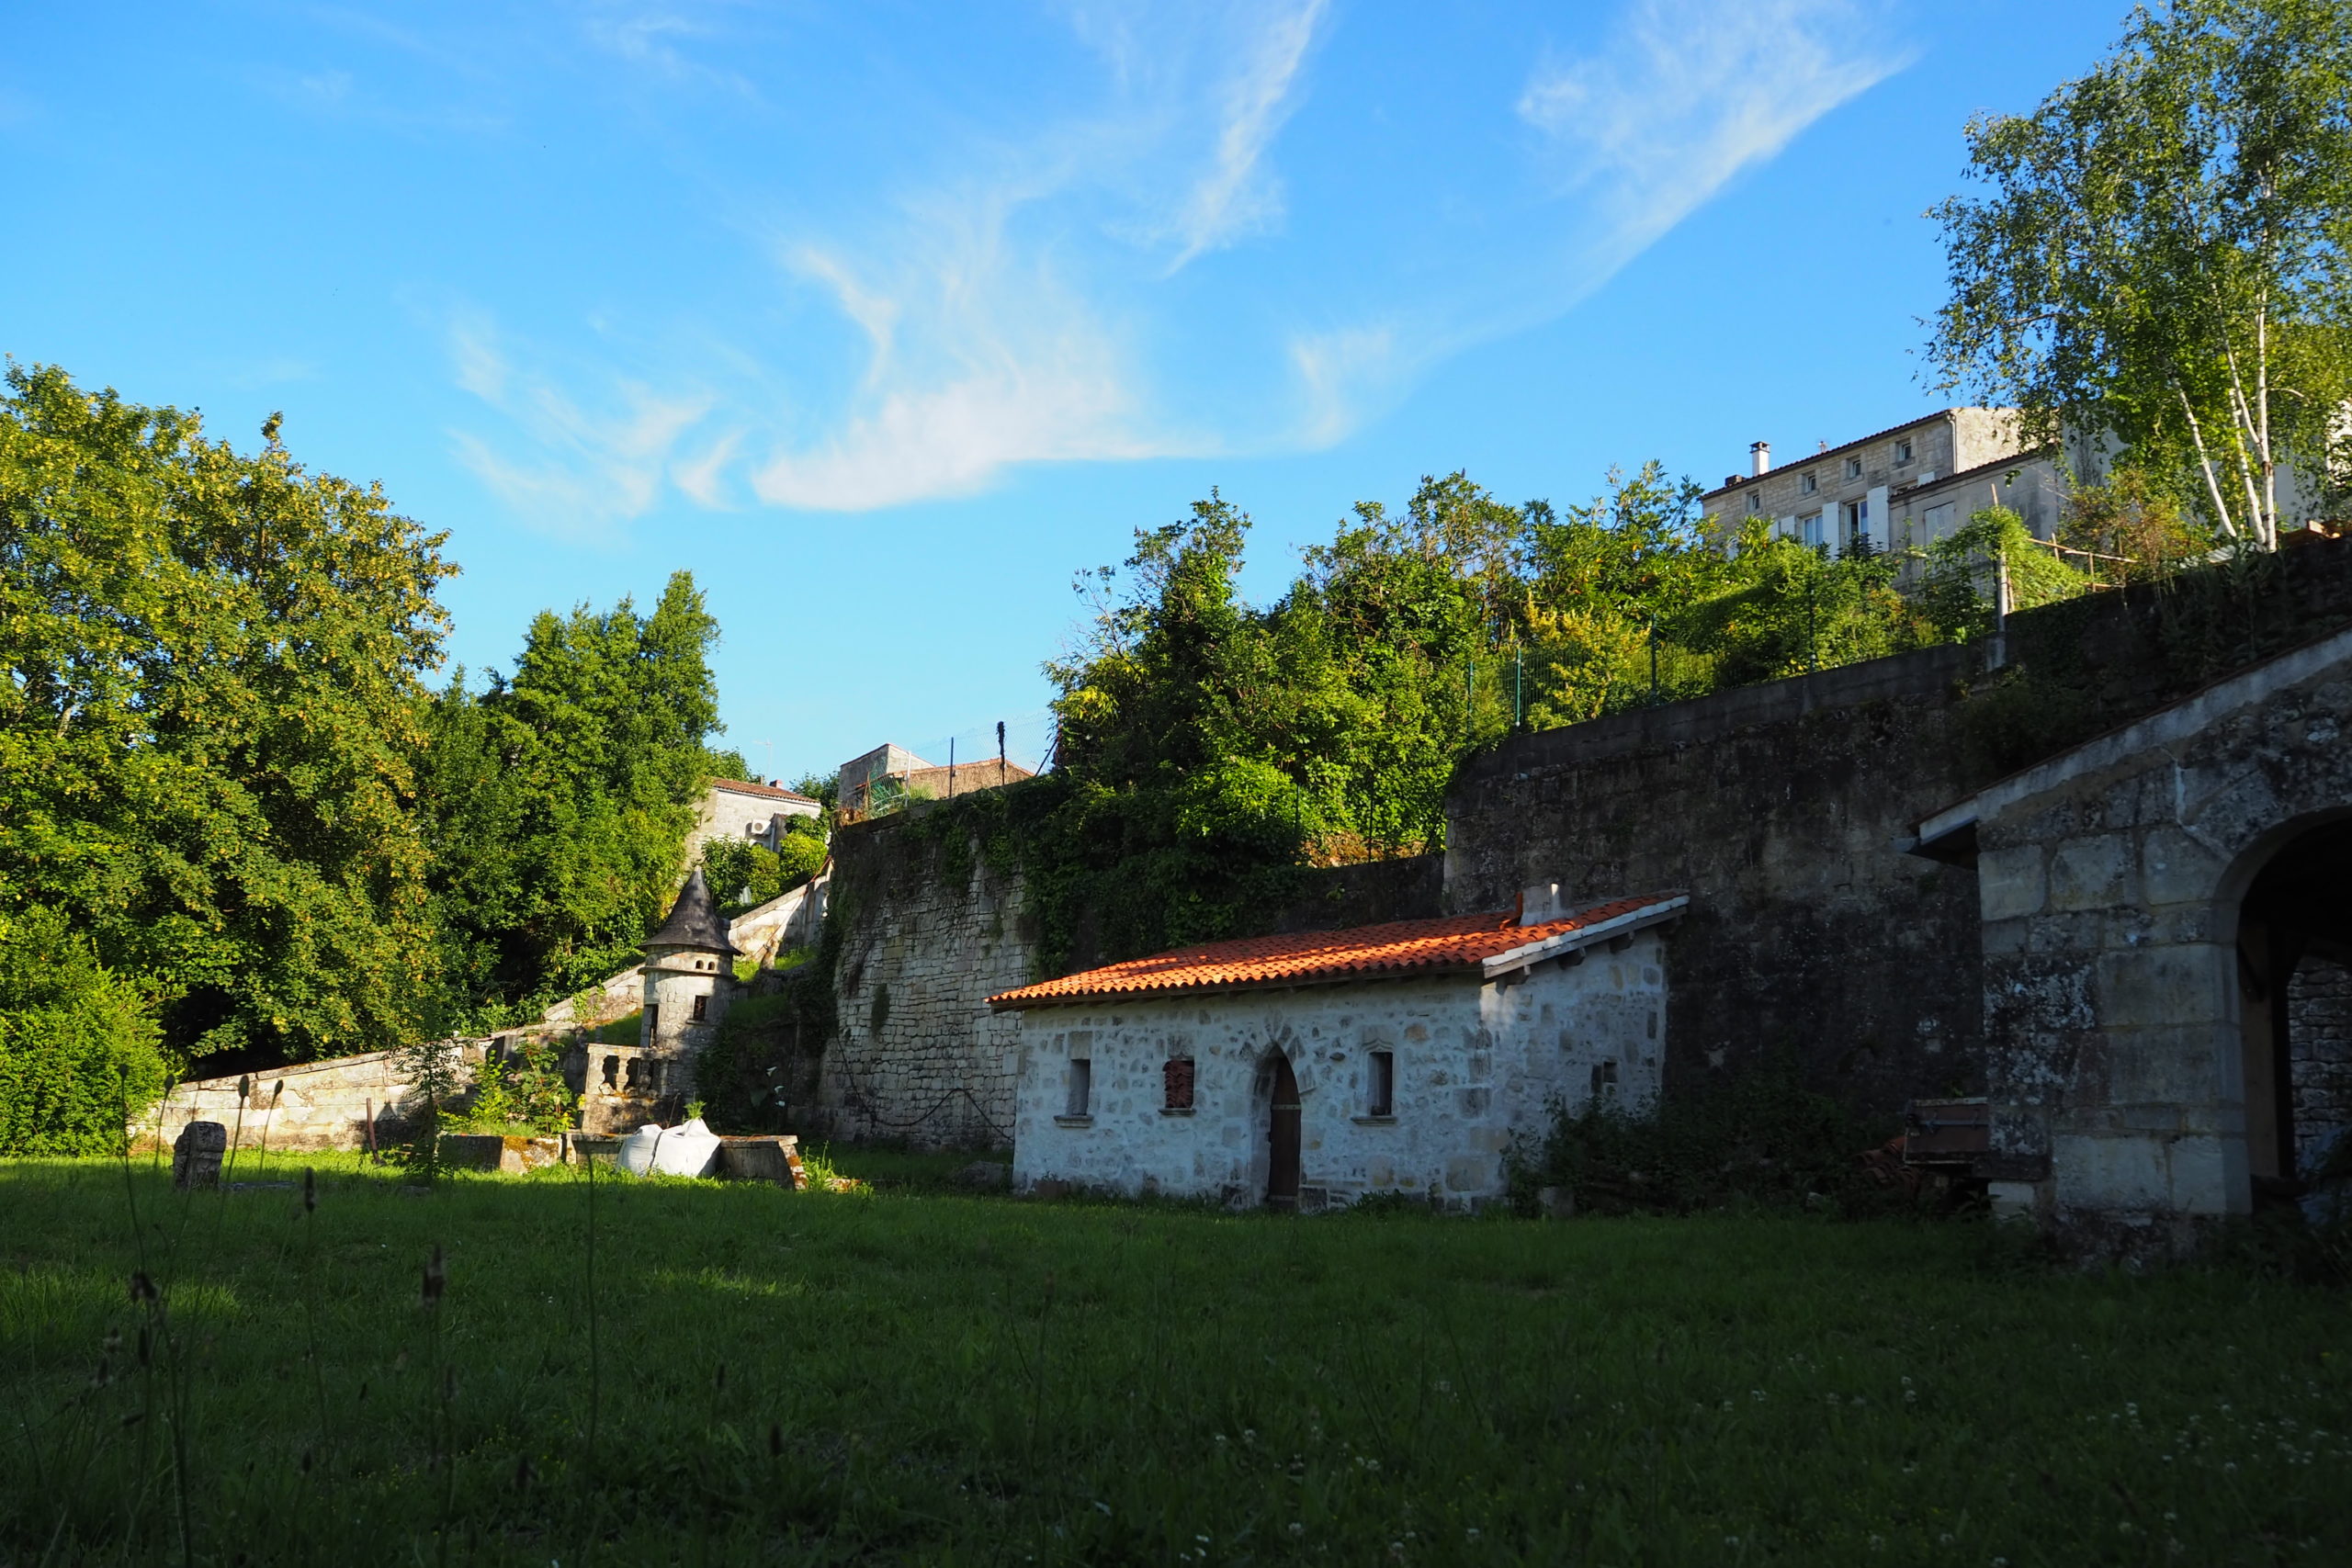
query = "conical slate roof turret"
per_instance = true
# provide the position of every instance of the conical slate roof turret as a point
(693, 921)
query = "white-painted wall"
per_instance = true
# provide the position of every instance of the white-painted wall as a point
(1477, 1063)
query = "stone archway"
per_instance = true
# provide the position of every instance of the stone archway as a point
(2294, 928)
(2148, 899)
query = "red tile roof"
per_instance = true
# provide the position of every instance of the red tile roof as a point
(1397, 950)
(745, 786)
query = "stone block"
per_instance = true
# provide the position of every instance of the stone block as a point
(197, 1154)
(2012, 882)
(491, 1151)
(2158, 987)
(759, 1158)
(2110, 1171)
(2090, 874)
(2175, 868)
(2017, 1199)
(2210, 1177)
(2175, 1064)
(985, 1175)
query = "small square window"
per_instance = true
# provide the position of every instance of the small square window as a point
(1755, 500)
(1902, 452)
(1380, 1097)
(1081, 1086)
(1177, 1080)
(702, 1009)
(1805, 484)
(1853, 467)
(1604, 1080)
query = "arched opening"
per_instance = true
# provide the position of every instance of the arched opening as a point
(1283, 1136)
(2294, 962)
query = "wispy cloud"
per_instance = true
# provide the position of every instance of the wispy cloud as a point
(1682, 97)
(979, 356)
(654, 37)
(1014, 297)
(593, 469)
(1237, 195)
(1688, 94)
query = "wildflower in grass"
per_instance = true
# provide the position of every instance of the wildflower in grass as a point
(1297, 1528)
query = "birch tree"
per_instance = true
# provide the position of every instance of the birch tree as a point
(2158, 260)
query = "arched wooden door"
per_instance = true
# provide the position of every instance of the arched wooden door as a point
(1282, 1136)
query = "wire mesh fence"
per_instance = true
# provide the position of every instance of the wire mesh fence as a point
(986, 756)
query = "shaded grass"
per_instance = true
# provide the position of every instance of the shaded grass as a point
(919, 1377)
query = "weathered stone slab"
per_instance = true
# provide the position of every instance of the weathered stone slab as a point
(196, 1155)
(491, 1151)
(764, 1157)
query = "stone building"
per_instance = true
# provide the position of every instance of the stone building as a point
(862, 777)
(2166, 920)
(866, 783)
(755, 813)
(1901, 488)
(1311, 1069)
(689, 979)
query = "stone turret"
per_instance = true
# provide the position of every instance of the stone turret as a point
(689, 975)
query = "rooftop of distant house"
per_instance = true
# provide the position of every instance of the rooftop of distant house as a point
(770, 791)
(1488, 944)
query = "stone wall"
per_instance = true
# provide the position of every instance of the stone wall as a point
(920, 939)
(314, 1105)
(2319, 1039)
(1781, 808)
(1774, 807)
(2128, 1007)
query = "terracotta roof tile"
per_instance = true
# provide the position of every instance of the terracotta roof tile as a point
(771, 792)
(1395, 950)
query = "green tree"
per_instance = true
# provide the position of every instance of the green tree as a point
(211, 721)
(80, 1052)
(560, 800)
(744, 875)
(2162, 261)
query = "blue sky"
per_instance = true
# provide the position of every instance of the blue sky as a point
(883, 319)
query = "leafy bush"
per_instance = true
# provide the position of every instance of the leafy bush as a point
(525, 1093)
(1762, 1136)
(745, 876)
(80, 1049)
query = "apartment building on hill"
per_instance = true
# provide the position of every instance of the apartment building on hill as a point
(1901, 488)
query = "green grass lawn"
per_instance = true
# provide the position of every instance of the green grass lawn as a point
(910, 1376)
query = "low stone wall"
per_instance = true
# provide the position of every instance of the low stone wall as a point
(314, 1105)
(788, 921)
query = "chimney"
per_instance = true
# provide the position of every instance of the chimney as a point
(1540, 904)
(1759, 458)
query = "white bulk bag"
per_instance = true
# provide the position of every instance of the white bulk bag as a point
(690, 1150)
(636, 1156)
